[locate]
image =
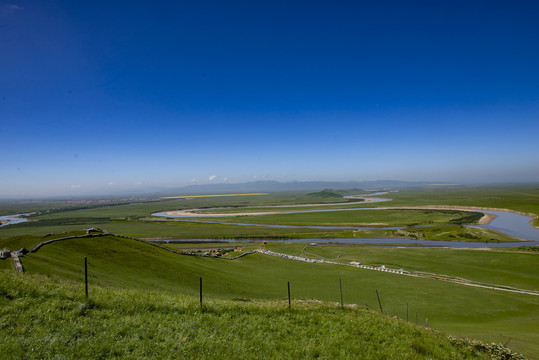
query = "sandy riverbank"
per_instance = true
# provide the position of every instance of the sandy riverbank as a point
(486, 219)
(193, 213)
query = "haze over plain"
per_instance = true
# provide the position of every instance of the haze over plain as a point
(100, 97)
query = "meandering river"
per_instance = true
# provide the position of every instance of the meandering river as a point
(510, 223)
(13, 219)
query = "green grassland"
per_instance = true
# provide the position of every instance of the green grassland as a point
(128, 264)
(401, 217)
(138, 209)
(52, 206)
(145, 275)
(45, 318)
(235, 210)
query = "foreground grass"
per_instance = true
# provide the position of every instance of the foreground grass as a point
(128, 264)
(46, 318)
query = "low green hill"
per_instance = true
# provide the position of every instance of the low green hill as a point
(327, 193)
(50, 318)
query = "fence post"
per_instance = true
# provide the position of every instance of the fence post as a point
(379, 303)
(201, 291)
(86, 275)
(340, 286)
(289, 301)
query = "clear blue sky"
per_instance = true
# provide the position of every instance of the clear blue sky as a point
(97, 96)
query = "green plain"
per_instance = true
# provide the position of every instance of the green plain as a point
(130, 269)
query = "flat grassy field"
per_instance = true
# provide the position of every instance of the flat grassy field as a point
(138, 209)
(121, 263)
(290, 208)
(401, 217)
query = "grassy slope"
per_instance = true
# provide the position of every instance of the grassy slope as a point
(48, 319)
(486, 314)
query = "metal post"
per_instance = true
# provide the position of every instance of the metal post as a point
(289, 301)
(86, 275)
(379, 303)
(201, 291)
(340, 286)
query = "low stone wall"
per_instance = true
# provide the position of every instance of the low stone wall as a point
(238, 256)
(17, 261)
(38, 246)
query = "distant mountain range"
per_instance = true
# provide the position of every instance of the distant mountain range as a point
(276, 186)
(229, 188)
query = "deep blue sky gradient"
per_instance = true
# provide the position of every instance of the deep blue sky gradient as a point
(104, 95)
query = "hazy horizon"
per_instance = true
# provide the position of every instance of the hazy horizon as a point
(108, 98)
(269, 186)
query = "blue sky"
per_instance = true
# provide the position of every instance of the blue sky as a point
(104, 96)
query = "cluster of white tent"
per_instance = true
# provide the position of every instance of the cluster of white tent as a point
(352, 263)
(292, 257)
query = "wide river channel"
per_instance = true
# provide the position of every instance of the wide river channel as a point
(507, 222)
